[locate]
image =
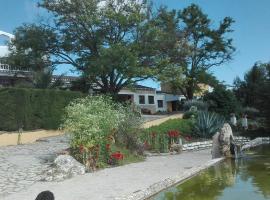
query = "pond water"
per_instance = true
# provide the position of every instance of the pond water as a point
(247, 178)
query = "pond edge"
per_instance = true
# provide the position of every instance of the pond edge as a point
(168, 182)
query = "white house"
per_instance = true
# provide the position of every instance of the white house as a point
(151, 100)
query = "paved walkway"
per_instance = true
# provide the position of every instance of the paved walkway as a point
(21, 167)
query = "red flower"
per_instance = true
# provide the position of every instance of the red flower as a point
(108, 147)
(173, 133)
(81, 148)
(146, 144)
(117, 156)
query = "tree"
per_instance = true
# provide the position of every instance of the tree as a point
(29, 51)
(254, 90)
(222, 101)
(205, 47)
(251, 87)
(112, 43)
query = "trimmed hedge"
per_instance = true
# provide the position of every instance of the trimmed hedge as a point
(33, 108)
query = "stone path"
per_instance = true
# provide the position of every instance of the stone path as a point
(21, 166)
(110, 183)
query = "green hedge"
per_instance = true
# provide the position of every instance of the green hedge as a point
(33, 108)
(185, 126)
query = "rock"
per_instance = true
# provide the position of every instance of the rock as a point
(65, 166)
(176, 147)
(222, 142)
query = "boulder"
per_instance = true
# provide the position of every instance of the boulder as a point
(65, 166)
(222, 142)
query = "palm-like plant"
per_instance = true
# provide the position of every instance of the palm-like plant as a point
(207, 123)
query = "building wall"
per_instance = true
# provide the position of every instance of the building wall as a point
(136, 95)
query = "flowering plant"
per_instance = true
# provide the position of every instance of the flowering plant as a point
(117, 155)
(173, 134)
(115, 158)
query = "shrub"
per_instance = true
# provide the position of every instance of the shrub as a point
(100, 128)
(207, 123)
(190, 114)
(92, 122)
(200, 105)
(33, 108)
(129, 128)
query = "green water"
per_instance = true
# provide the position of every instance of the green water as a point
(247, 178)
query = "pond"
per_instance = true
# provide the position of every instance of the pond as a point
(247, 178)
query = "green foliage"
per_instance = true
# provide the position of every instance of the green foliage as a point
(29, 51)
(201, 47)
(112, 43)
(98, 125)
(190, 114)
(91, 120)
(156, 137)
(33, 108)
(254, 90)
(200, 105)
(207, 124)
(222, 101)
(128, 130)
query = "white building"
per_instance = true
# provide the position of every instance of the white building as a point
(150, 100)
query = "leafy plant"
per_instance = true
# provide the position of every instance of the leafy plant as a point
(207, 123)
(158, 138)
(92, 122)
(129, 128)
(190, 104)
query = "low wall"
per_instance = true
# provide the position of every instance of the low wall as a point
(11, 138)
(256, 142)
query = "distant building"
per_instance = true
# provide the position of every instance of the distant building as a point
(203, 89)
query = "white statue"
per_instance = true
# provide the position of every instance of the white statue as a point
(233, 119)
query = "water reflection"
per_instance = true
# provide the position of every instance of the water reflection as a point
(247, 178)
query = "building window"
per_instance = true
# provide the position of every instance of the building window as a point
(160, 103)
(141, 99)
(151, 100)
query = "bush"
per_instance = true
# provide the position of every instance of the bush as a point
(92, 121)
(33, 108)
(190, 114)
(99, 127)
(207, 124)
(129, 128)
(200, 105)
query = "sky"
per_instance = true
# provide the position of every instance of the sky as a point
(251, 28)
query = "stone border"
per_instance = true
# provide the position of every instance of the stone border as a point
(169, 182)
(256, 142)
